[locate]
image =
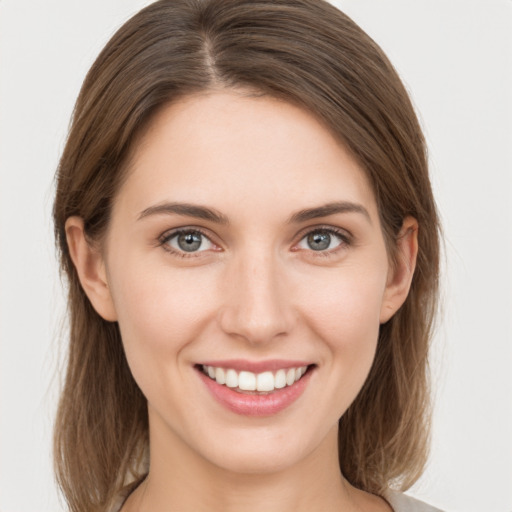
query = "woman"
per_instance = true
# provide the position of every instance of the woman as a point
(246, 222)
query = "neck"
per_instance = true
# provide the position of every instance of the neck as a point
(182, 480)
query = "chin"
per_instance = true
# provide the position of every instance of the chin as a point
(254, 460)
(267, 451)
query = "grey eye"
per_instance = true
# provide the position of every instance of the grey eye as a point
(319, 241)
(189, 241)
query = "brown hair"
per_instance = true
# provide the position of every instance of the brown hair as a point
(305, 52)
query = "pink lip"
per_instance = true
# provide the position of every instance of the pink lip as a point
(271, 365)
(256, 405)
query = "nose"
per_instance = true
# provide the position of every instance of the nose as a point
(257, 305)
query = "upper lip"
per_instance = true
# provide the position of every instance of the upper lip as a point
(270, 365)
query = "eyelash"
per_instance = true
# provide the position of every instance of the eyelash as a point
(344, 237)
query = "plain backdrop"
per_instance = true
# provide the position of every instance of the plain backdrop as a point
(455, 58)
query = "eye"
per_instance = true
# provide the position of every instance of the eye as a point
(323, 240)
(186, 241)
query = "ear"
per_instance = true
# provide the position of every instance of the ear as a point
(400, 274)
(90, 266)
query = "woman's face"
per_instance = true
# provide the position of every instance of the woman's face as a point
(245, 242)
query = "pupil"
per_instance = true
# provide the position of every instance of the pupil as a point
(319, 241)
(189, 241)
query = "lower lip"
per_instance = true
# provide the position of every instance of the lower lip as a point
(256, 405)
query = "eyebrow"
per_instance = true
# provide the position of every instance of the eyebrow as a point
(205, 213)
(329, 209)
(187, 210)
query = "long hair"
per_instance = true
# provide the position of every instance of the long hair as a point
(310, 54)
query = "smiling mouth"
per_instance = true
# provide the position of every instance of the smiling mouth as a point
(247, 382)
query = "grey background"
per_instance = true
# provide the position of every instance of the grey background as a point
(455, 57)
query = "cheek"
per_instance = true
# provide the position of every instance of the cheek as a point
(346, 307)
(160, 311)
(344, 315)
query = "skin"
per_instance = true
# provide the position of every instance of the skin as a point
(256, 290)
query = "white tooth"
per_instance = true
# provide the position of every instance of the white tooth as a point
(211, 372)
(220, 375)
(303, 370)
(231, 379)
(298, 374)
(280, 379)
(265, 381)
(290, 376)
(247, 381)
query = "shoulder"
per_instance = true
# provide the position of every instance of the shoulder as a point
(403, 503)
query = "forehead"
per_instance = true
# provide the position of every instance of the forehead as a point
(223, 147)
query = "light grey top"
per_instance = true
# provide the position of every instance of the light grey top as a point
(403, 503)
